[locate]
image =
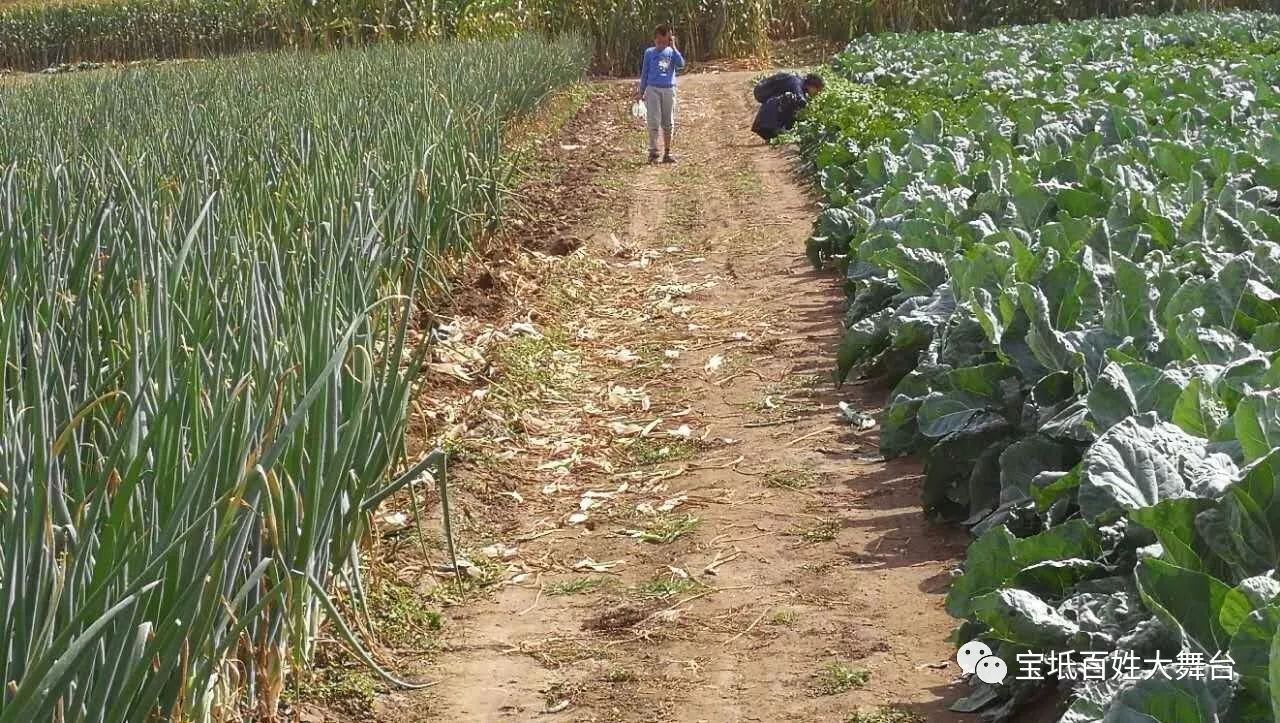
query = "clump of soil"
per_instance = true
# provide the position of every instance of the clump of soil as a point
(619, 617)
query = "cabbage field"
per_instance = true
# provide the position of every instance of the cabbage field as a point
(207, 350)
(1068, 267)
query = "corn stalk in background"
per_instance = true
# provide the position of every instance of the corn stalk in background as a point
(34, 36)
(39, 35)
(738, 30)
(206, 358)
(620, 30)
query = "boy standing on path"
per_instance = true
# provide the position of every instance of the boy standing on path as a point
(658, 89)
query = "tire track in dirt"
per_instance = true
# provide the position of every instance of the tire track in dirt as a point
(694, 305)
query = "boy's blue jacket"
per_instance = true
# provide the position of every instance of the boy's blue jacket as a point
(659, 67)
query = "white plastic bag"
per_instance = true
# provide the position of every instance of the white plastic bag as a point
(638, 110)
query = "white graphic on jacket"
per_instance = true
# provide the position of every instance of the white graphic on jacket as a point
(664, 65)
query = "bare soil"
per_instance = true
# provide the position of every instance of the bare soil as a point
(668, 519)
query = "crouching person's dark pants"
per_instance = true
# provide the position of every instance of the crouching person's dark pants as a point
(766, 133)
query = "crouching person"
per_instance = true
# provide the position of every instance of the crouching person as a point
(782, 97)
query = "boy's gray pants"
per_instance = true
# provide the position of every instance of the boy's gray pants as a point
(659, 108)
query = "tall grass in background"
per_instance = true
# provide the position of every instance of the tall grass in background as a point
(621, 29)
(36, 35)
(209, 282)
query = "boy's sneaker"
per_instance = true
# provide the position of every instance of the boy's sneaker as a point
(653, 156)
(668, 158)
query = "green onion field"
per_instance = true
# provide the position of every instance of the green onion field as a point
(211, 275)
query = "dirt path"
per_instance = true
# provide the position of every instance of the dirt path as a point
(679, 526)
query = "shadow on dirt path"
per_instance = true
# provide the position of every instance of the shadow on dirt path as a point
(690, 533)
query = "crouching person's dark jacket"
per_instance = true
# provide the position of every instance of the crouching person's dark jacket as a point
(778, 114)
(781, 98)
